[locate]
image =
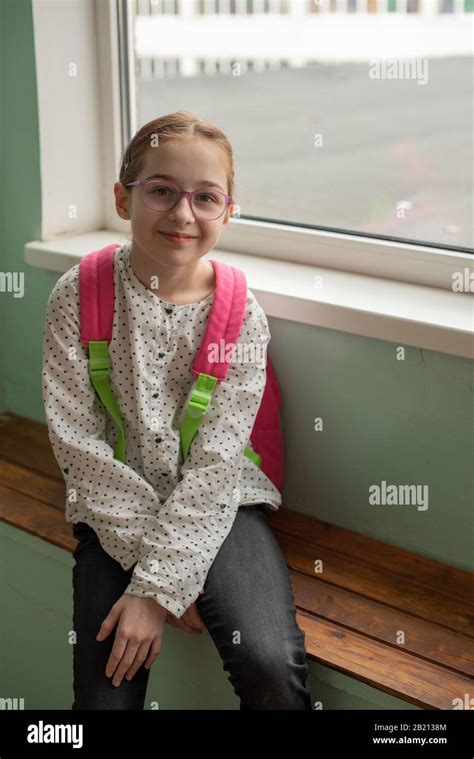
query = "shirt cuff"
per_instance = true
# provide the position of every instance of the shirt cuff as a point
(169, 603)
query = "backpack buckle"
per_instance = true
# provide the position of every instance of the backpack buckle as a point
(201, 395)
(99, 362)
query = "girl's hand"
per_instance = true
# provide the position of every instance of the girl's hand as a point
(190, 621)
(138, 638)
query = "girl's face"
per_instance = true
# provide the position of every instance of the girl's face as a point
(189, 161)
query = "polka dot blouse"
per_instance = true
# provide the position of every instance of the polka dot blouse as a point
(168, 518)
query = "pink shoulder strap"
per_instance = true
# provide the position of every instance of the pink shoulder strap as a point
(96, 294)
(224, 321)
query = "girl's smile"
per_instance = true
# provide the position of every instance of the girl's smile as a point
(177, 239)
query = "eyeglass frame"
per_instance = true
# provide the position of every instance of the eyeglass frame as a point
(187, 193)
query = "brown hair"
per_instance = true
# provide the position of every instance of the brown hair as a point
(173, 125)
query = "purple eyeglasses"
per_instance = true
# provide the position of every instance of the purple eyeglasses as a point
(164, 196)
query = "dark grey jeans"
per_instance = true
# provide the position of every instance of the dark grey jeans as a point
(247, 590)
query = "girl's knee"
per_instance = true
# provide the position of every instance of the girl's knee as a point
(273, 677)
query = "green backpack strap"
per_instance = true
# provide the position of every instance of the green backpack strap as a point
(96, 310)
(223, 325)
(197, 405)
(99, 372)
(253, 456)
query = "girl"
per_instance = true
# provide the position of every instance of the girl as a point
(158, 542)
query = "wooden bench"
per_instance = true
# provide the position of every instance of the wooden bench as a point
(351, 613)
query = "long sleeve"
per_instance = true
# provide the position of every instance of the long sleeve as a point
(110, 496)
(182, 543)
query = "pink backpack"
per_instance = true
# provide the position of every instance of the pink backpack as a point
(96, 291)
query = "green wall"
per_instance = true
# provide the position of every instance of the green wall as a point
(20, 211)
(400, 421)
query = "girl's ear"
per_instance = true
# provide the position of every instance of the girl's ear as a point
(121, 201)
(229, 211)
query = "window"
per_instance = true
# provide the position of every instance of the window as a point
(348, 116)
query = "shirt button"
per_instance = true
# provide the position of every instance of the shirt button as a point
(161, 355)
(155, 395)
(169, 310)
(157, 440)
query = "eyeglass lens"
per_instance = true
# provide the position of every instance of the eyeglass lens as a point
(206, 204)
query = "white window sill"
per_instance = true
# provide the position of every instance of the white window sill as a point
(404, 313)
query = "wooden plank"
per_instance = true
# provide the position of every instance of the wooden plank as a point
(47, 490)
(26, 443)
(383, 623)
(376, 584)
(414, 568)
(395, 672)
(34, 517)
